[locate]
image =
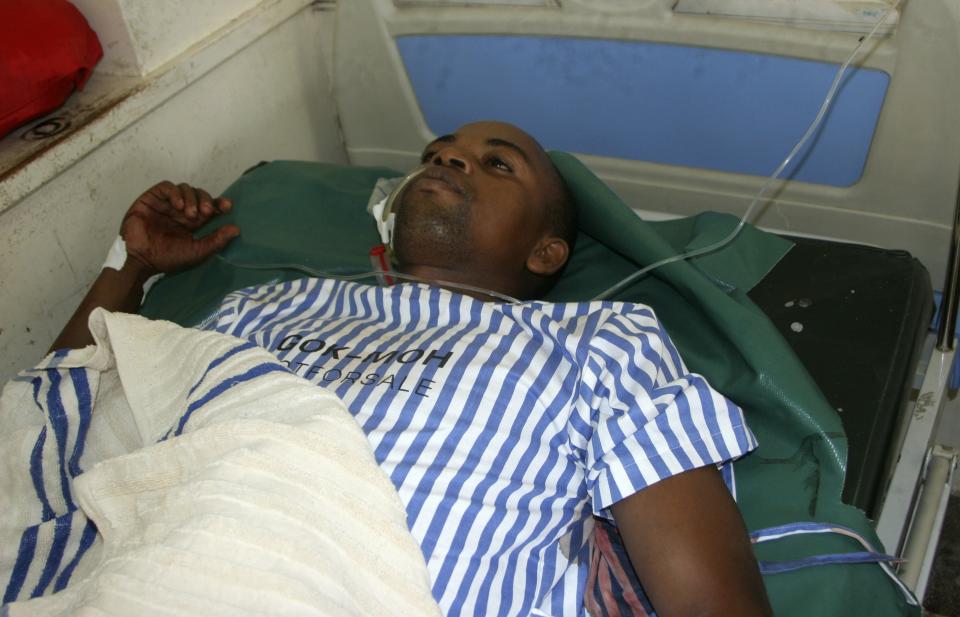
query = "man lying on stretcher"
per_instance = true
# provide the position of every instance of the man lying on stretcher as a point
(504, 427)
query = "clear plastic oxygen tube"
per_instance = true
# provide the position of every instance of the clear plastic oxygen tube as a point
(385, 224)
(811, 130)
(395, 195)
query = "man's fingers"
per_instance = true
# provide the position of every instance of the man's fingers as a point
(205, 203)
(161, 197)
(226, 233)
(223, 204)
(166, 191)
(180, 204)
(216, 240)
(167, 199)
(163, 205)
(189, 200)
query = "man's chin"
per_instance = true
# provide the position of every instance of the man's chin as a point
(436, 244)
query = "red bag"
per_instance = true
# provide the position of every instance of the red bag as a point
(46, 50)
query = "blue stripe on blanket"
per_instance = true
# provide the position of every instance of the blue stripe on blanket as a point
(28, 544)
(219, 361)
(86, 541)
(84, 409)
(36, 474)
(58, 419)
(226, 384)
(61, 534)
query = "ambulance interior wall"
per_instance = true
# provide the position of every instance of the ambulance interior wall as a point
(271, 100)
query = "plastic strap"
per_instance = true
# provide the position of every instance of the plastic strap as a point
(777, 567)
(871, 555)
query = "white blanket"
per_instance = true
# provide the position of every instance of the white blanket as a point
(166, 471)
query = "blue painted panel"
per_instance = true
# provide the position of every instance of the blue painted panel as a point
(715, 109)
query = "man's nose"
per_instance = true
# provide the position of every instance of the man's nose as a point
(451, 157)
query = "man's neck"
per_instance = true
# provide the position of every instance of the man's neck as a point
(453, 280)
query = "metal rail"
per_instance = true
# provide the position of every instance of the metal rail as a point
(947, 330)
(900, 499)
(924, 535)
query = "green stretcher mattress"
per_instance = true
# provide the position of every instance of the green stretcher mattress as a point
(314, 215)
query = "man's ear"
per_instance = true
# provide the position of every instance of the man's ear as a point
(548, 256)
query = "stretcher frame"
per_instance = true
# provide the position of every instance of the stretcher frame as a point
(911, 518)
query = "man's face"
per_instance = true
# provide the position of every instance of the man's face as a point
(478, 209)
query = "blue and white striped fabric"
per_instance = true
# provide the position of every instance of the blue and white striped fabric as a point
(53, 535)
(171, 471)
(503, 427)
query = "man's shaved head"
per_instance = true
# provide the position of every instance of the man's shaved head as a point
(491, 210)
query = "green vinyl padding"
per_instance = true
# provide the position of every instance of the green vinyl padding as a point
(314, 214)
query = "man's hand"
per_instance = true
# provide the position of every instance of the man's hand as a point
(689, 546)
(158, 228)
(158, 231)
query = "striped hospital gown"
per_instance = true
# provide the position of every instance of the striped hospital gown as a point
(503, 427)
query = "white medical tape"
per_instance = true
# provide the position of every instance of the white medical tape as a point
(117, 256)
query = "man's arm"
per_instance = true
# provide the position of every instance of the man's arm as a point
(689, 547)
(158, 231)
